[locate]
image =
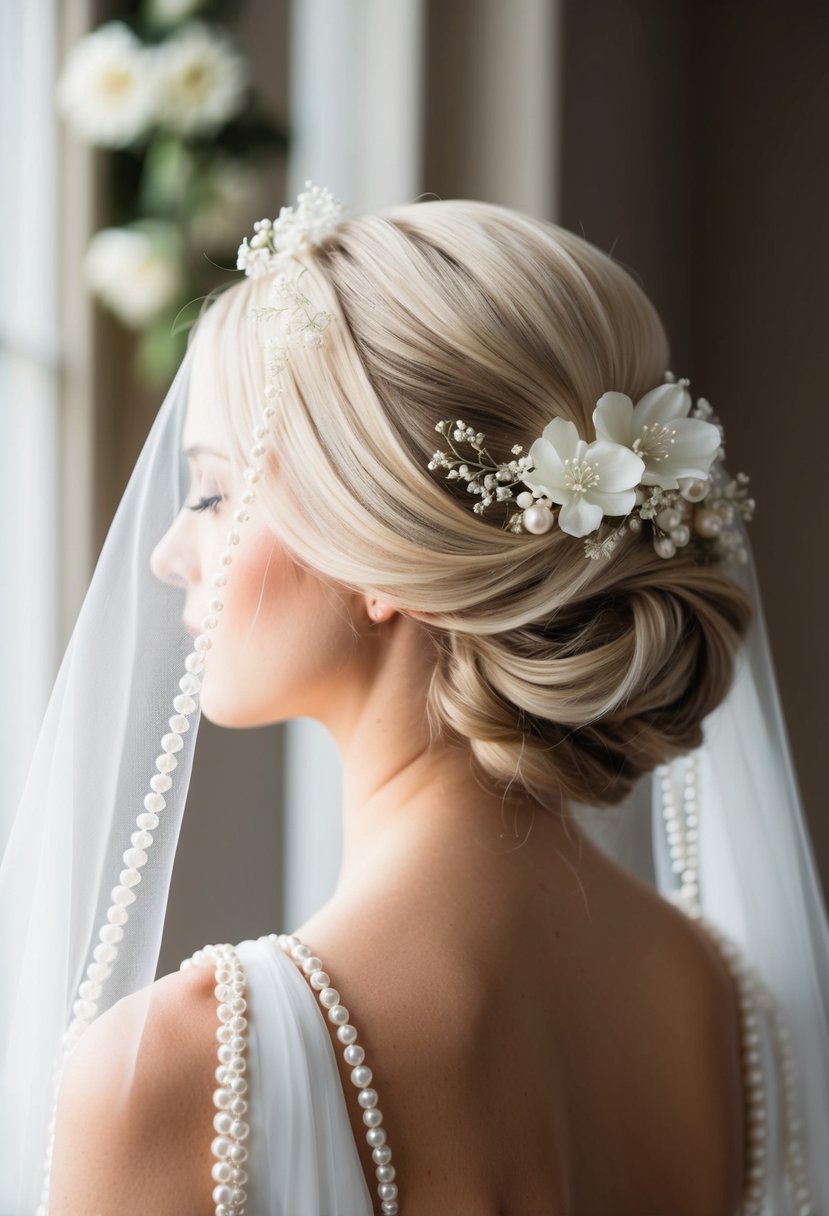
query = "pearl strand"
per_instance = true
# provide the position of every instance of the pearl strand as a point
(229, 1173)
(754, 994)
(681, 829)
(354, 1055)
(110, 934)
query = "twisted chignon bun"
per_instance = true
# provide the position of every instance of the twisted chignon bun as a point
(564, 674)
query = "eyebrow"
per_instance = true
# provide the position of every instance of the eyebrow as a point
(201, 449)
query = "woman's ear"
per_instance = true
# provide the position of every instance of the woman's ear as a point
(377, 610)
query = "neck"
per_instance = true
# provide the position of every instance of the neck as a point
(405, 791)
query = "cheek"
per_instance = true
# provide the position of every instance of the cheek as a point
(281, 634)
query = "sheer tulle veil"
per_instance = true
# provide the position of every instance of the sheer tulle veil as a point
(86, 866)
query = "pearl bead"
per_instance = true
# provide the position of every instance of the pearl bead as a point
(372, 1117)
(664, 546)
(681, 535)
(537, 520)
(160, 782)
(524, 500)
(170, 743)
(668, 518)
(165, 763)
(693, 490)
(320, 979)
(367, 1097)
(184, 704)
(347, 1034)
(707, 523)
(329, 997)
(361, 1076)
(354, 1054)
(338, 1015)
(194, 663)
(156, 802)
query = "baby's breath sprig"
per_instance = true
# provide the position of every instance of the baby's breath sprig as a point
(486, 477)
(300, 320)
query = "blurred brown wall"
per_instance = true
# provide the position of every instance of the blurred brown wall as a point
(692, 146)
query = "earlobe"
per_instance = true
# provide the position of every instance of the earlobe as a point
(380, 612)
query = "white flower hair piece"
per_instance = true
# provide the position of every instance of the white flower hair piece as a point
(274, 243)
(650, 463)
(295, 230)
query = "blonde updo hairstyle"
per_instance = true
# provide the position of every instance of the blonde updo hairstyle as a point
(566, 675)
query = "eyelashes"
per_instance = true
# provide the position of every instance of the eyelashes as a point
(208, 504)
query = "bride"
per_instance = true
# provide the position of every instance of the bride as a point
(442, 497)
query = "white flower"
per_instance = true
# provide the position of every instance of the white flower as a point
(588, 480)
(316, 213)
(657, 429)
(131, 274)
(202, 81)
(295, 229)
(107, 90)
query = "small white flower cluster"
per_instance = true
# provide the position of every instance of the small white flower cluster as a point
(650, 463)
(301, 323)
(484, 476)
(294, 230)
(113, 88)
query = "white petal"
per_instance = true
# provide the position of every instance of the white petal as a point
(619, 467)
(695, 443)
(620, 503)
(578, 517)
(613, 417)
(661, 404)
(563, 436)
(548, 474)
(692, 453)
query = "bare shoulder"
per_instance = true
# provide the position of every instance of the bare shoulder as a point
(134, 1119)
(700, 1031)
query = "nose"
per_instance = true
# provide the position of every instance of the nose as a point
(173, 561)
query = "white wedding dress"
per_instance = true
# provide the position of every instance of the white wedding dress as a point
(302, 1156)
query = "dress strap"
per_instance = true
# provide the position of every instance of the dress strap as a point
(230, 1098)
(354, 1055)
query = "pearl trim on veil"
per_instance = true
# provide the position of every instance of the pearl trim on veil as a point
(754, 995)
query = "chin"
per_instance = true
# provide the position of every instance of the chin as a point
(236, 714)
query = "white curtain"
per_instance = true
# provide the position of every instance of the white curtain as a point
(29, 626)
